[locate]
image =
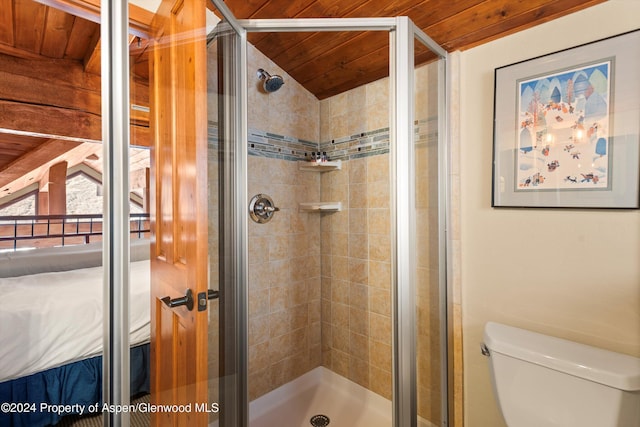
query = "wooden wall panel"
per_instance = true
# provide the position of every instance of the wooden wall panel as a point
(29, 24)
(6, 23)
(82, 34)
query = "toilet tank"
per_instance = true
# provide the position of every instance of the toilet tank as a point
(543, 381)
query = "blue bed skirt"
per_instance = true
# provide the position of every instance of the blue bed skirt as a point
(78, 383)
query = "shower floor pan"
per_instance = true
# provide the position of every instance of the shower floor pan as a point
(322, 392)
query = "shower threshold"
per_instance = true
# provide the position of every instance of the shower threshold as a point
(321, 391)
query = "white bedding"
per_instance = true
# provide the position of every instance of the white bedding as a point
(50, 319)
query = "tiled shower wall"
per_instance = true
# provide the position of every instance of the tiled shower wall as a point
(320, 283)
(284, 254)
(284, 278)
(356, 246)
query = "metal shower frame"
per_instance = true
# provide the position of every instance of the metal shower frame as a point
(402, 36)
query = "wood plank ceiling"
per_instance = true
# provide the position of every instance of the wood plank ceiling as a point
(46, 41)
(329, 63)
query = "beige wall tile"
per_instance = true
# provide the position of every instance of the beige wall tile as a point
(379, 221)
(359, 346)
(340, 267)
(380, 382)
(279, 324)
(259, 383)
(359, 296)
(359, 321)
(340, 362)
(358, 196)
(380, 354)
(258, 357)
(378, 168)
(258, 330)
(358, 220)
(340, 244)
(380, 328)
(340, 339)
(358, 171)
(358, 245)
(259, 302)
(380, 248)
(380, 301)
(380, 274)
(278, 298)
(340, 315)
(359, 371)
(358, 271)
(378, 194)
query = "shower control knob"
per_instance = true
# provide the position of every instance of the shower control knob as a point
(268, 208)
(262, 208)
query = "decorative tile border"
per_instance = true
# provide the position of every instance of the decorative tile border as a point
(357, 146)
(267, 144)
(372, 143)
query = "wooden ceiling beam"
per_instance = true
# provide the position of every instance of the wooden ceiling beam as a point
(60, 72)
(53, 122)
(32, 166)
(139, 18)
(34, 86)
(33, 90)
(35, 159)
(18, 53)
(50, 120)
(91, 61)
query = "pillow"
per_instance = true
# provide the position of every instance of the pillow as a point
(63, 258)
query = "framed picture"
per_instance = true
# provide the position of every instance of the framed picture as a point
(567, 126)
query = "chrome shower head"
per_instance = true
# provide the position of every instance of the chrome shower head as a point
(271, 83)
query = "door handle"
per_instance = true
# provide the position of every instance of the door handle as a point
(186, 300)
(204, 296)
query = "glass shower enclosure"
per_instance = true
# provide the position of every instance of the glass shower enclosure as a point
(344, 283)
(345, 275)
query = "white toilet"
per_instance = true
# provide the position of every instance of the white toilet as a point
(542, 381)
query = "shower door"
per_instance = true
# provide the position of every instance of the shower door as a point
(420, 338)
(356, 322)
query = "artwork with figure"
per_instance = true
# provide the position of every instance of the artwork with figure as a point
(563, 124)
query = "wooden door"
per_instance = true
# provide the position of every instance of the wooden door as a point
(179, 256)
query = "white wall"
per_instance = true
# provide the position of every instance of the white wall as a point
(570, 273)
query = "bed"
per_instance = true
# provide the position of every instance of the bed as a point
(51, 315)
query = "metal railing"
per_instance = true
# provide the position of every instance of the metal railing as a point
(60, 230)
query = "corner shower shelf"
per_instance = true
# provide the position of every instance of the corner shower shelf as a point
(321, 166)
(321, 207)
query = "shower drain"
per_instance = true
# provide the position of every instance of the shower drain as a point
(319, 421)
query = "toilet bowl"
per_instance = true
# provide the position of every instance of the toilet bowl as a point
(543, 381)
